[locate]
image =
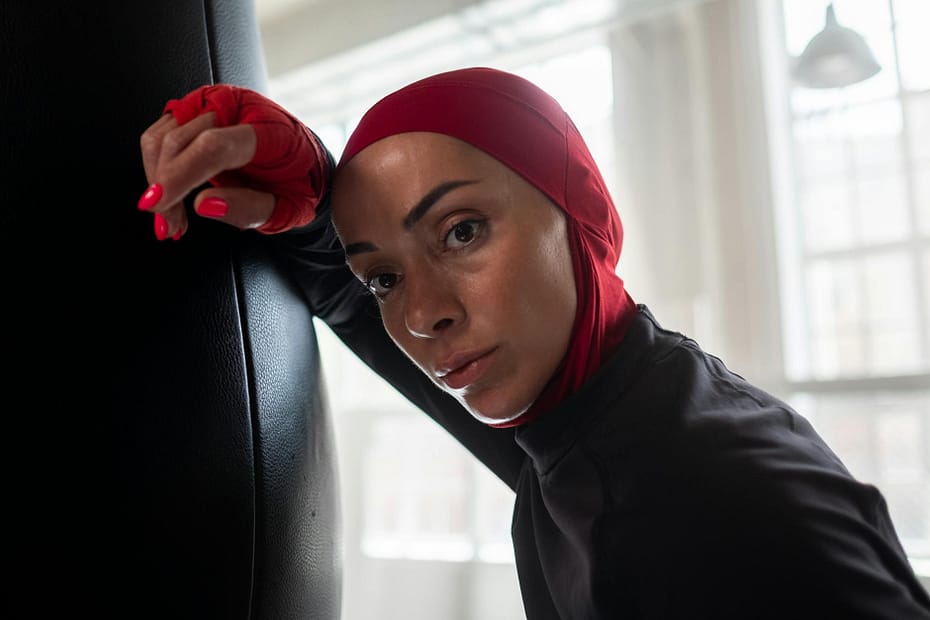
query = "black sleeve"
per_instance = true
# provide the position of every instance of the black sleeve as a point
(824, 537)
(314, 256)
(822, 541)
(727, 504)
(740, 538)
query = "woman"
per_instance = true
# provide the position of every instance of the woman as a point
(650, 480)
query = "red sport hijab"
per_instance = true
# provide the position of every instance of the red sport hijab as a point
(526, 129)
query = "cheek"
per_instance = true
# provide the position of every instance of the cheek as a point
(393, 320)
(530, 292)
(562, 275)
(544, 276)
(393, 324)
(548, 294)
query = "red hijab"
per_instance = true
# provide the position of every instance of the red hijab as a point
(524, 128)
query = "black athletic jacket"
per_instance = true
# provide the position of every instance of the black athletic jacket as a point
(667, 487)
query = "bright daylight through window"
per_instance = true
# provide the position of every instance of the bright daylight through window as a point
(856, 253)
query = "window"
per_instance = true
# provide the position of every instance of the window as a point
(855, 254)
(861, 164)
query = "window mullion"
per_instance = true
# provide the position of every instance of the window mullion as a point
(910, 192)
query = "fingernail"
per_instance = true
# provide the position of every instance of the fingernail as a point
(178, 233)
(213, 207)
(151, 197)
(161, 227)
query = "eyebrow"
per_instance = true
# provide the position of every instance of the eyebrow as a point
(360, 247)
(415, 215)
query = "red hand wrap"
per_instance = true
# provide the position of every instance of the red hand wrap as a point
(288, 160)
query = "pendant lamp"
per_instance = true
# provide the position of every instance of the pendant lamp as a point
(837, 56)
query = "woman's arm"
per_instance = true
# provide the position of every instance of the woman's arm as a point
(269, 173)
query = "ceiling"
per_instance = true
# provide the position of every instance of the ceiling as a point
(299, 32)
(268, 10)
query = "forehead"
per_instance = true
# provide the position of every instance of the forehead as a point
(413, 152)
(397, 171)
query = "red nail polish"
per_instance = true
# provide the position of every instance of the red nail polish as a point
(178, 233)
(213, 207)
(151, 197)
(161, 227)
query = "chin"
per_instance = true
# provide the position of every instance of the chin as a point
(493, 410)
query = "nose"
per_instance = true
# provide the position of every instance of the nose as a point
(431, 307)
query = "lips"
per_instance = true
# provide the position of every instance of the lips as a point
(463, 369)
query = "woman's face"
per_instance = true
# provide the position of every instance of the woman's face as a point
(470, 265)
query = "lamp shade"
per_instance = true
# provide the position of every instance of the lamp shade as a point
(837, 56)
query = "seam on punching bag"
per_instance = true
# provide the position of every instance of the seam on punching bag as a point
(236, 262)
(258, 473)
(210, 27)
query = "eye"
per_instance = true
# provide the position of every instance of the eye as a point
(381, 284)
(462, 234)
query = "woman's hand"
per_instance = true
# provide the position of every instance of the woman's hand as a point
(178, 159)
(267, 169)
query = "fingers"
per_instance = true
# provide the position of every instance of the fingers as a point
(173, 229)
(178, 159)
(232, 138)
(237, 206)
(150, 143)
(193, 153)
